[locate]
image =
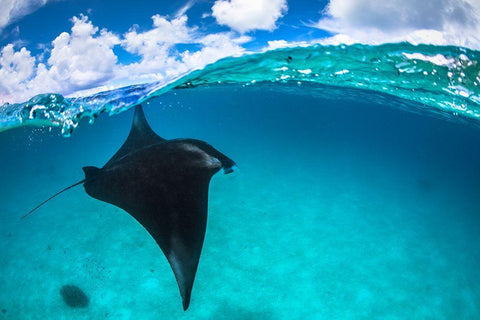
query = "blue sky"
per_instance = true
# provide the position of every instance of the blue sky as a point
(77, 46)
(120, 16)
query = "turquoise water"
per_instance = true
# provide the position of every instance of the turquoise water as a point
(444, 80)
(351, 201)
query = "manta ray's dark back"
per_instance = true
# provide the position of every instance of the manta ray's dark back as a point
(164, 185)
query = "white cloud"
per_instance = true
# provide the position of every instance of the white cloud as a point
(248, 15)
(83, 59)
(278, 44)
(441, 22)
(156, 47)
(215, 47)
(185, 8)
(16, 67)
(161, 60)
(12, 10)
(165, 33)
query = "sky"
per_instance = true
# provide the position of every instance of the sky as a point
(77, 47)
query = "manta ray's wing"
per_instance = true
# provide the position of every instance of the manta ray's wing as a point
(141, 135)
(164, 187)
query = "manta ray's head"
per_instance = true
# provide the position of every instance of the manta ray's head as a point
(202, 155)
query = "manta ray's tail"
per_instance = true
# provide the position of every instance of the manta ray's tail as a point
(56, 194)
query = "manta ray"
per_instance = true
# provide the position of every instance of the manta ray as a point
(163, 184)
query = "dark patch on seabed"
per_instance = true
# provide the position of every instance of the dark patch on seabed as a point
(74, 297)
(340, 210)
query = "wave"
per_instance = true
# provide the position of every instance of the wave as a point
(442, 79)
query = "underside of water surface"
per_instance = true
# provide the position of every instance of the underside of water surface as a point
(443, 80)
(346, 205)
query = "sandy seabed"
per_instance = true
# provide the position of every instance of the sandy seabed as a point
(322, 221)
